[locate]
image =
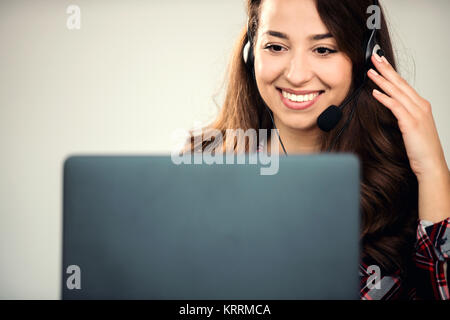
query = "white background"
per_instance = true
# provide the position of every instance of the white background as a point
(134, 73)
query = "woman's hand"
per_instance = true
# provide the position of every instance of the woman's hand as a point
(415, 120)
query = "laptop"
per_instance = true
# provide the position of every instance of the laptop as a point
(143, 227)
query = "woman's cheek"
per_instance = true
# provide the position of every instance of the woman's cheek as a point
(336, 75)
(268, 70)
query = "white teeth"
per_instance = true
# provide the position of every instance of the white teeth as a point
(300, 98)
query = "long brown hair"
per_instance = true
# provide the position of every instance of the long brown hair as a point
(389, 199)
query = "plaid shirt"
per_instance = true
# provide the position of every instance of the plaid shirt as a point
(429, 278)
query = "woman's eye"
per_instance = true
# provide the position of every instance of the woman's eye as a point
(324, 51)
(274, 48)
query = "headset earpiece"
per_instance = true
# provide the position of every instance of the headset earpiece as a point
(245, 52)
(248, 57)
(377, 49)
(371, 47)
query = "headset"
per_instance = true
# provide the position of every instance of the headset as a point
(331, 116)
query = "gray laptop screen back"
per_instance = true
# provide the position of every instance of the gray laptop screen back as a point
(141, 227)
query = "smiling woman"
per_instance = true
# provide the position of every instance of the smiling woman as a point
(308, 55)
(306, 66)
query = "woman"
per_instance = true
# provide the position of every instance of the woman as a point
(405, 200)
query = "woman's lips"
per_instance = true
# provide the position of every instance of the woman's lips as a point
(298, 105)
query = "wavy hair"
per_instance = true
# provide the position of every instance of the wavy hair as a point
(389, 189)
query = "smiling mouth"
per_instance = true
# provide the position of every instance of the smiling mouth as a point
(310, 96)
(299, 102)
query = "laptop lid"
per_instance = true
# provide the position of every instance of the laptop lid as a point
(141, 227)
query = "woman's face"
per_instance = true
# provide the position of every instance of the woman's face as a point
(292, 55)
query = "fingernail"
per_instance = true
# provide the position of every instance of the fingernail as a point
(376, 92)
(373, 72)
(384, 60)
(377, 57)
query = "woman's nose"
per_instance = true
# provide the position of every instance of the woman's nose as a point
(299, 70)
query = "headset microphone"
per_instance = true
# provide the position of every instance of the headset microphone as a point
(331, 116)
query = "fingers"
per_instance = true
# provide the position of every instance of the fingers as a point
(389, 73)
(399, 111)
(392, 90)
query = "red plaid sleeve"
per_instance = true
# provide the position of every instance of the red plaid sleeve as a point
(429, 274)
(431, 259)
(382, 287)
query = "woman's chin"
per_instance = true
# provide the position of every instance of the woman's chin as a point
(303, 125)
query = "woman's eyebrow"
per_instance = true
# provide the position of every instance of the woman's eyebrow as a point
(314, 37)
